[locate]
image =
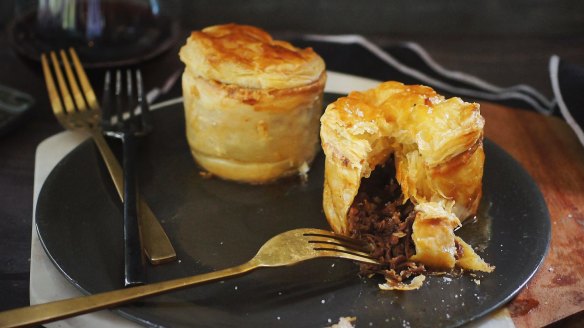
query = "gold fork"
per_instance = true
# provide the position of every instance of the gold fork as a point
(81, 112)
(284, 249)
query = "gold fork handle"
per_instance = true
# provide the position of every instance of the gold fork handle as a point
(156, 243)
(47, 312)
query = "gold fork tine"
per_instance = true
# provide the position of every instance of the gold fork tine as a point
(340, 238)
(334, 244)
(77, 96)
(85, 85)
(334, 247)
(51, 88)
(335, 252)
(67, 100)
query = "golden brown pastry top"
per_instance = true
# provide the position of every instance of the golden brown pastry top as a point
(437, 144)
(415, 116)
(248, 56)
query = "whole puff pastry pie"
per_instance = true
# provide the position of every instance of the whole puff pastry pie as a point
(252, 104)
(403, 167)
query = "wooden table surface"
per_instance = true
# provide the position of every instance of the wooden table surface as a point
(549, 150)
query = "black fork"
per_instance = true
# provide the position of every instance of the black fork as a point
(121, 121)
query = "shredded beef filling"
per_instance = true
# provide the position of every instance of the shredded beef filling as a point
(379, 216)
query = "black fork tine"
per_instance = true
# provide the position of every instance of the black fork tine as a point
(106, 102)
(130, 102)
(143, 103)
(119, 111)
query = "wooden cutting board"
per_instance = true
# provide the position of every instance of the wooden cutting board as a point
(549, 150)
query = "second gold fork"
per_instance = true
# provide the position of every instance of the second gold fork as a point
(80, 111)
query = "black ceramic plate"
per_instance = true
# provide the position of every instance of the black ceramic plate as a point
(215, 224)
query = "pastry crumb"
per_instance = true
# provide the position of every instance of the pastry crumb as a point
(416, 283)
(345, 322)
(303, 171)
(205, 174)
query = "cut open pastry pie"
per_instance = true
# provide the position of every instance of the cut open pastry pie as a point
(403, 167)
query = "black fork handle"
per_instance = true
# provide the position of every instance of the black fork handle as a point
(134, 273)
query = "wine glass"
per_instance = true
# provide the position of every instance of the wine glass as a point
(104, 32)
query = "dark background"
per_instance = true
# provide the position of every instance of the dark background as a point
(549, 18)
(504, 42)
(468, 35)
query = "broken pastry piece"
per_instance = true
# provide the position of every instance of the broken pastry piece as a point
(252, 104)
(403, 167)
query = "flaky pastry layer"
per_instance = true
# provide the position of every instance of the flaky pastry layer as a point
(248, 57)
(252, 135)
